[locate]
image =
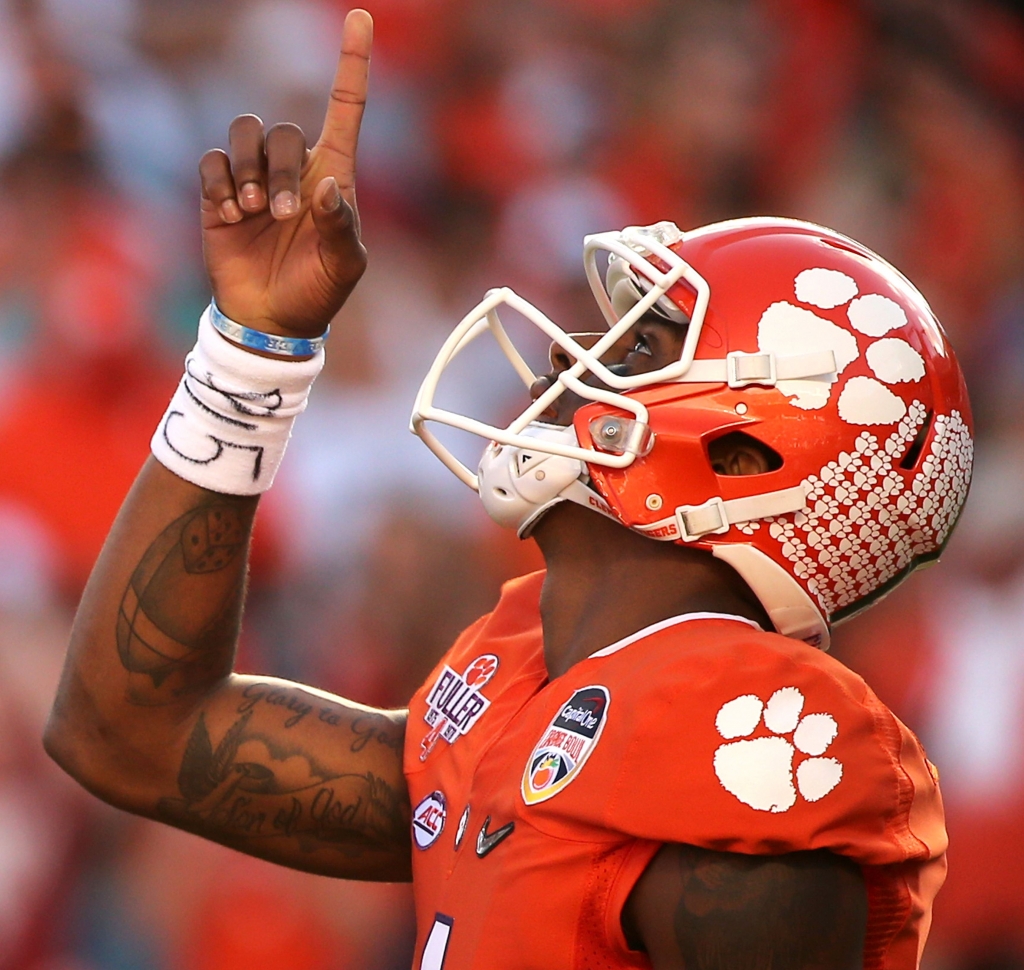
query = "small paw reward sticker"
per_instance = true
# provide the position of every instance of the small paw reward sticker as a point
(566, 744)
(760, 772)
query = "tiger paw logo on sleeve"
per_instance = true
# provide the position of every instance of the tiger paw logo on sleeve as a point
(455, 702)
(760, 771)
(566, 744)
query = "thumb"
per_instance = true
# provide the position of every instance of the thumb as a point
(338, 226)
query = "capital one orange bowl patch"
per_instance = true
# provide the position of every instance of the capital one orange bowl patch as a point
(566, 744)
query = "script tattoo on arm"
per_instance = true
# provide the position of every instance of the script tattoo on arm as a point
(256, 789)
(180, 613)
(703, 910)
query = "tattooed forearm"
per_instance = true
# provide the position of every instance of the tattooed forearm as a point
(151, 716)
(251, 788)
(178, 619)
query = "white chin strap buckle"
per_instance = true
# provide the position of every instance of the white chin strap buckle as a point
(717, 515)
(742, 369)
(694, 521)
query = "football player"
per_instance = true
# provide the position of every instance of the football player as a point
(644, 756)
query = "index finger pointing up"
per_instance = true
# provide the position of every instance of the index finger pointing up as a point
(348, 98)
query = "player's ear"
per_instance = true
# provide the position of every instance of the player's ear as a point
(738, 453)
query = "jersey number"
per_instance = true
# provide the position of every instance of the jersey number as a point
(436, 947)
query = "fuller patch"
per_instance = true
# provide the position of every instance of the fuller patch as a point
(455, 702)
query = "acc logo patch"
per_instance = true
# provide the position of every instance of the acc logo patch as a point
(566, 744)
(428, 819)
(455, 703)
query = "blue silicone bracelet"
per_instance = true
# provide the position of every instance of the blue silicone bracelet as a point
(269, 342)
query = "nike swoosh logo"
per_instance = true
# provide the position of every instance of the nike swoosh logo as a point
(485, 842)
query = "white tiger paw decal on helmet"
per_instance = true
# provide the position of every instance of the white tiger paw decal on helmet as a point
(866, 521)
(760, 771)
(786, 328)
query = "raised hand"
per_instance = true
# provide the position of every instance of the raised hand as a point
(280, 227)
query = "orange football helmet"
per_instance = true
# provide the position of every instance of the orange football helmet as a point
(797, 336)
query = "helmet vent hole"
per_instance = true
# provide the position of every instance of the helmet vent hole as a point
(738, 453)
(913, 455)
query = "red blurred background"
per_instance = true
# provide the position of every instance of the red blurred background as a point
(498, 132)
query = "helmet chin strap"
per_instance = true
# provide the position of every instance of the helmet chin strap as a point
(716, 516)
(518, 485)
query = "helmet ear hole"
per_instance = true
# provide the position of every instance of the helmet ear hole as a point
(738, 453)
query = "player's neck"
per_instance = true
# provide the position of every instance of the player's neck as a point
(605, 582)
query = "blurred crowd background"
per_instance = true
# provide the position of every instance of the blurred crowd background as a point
(498, 133)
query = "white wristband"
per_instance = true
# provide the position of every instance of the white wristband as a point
(229, 421)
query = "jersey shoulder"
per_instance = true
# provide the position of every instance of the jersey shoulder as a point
(725, 736)
(721, 650)
(741, 675)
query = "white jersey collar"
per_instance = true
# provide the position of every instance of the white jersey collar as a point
(665, 624)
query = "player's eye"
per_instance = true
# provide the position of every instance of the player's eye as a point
(641, 346)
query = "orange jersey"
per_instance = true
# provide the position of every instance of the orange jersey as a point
(537, 804)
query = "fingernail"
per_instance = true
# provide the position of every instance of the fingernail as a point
(285, 204)
(230, 212)
(252, 195)
(332, 196)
